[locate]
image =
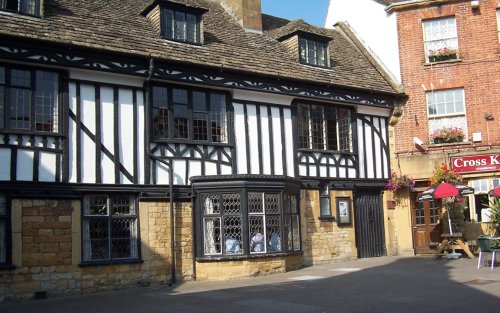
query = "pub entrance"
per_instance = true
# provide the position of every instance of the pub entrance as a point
(426, 225)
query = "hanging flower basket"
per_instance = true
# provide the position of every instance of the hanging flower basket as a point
(397, 183)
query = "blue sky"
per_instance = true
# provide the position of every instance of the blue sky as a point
(311, 11)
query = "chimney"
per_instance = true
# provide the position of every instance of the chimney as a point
(246, 12)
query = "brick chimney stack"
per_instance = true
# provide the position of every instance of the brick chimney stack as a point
(247, 12)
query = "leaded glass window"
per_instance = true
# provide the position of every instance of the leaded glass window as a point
(313, 52)
(30, 7)
(323, 127)
(324, 201)
(110, 228)
(29, 100)
(189, 115)
(225, 216)
(181, 26)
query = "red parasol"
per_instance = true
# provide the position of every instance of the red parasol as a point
(443, 190)
(495, 192)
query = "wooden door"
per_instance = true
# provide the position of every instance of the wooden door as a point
(369, 224)
(426, 226)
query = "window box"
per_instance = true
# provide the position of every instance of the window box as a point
(445, 140)
(440, 58)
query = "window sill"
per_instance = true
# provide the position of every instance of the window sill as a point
(461, 143)
(192, 142)
(327, 218)
(247, 256)
(114, 262)
(29, 133)
(7, 267)
(442, 62)
(344, 152)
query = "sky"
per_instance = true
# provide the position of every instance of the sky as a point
(311, 11)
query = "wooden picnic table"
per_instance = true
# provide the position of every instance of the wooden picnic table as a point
(452, 242)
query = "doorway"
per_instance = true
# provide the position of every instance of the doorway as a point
(369, 224)
(426, 226)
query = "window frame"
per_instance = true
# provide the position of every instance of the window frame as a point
(432, 43)
(244, 250)
(21, 7)
(168, 107)
(6, 88)
(320, 48)
(109, 217)
(451, 119)
(306, 138)
(6, 219)
(196, 13)
(325, 201)
(498, 23)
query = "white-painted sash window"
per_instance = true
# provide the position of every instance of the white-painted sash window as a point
(440, 39)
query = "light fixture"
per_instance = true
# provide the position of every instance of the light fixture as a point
(418, 141)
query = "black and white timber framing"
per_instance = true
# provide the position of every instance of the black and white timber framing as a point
(104, 137)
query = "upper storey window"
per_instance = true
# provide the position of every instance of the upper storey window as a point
(29, 100)
(181, 26)
(313, 52)
(447, 115)
(323, 127)
(30, 7)
(440, 39)
(192, 115)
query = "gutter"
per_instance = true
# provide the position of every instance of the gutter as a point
(411, 3)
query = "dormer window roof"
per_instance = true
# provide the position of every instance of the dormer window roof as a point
(28, 7)
(176, 21)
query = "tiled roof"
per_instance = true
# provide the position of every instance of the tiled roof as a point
(118, 26)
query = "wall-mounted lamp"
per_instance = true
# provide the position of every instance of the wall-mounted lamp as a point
(418, 141)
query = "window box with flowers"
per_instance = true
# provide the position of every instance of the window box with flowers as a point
(399, 182)
(447, 135)
(442, 54)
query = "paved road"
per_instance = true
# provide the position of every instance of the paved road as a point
(387, 284)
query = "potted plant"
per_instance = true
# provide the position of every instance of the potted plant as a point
(447, 135)
(442, 54)
(399, 182)
(494, 206)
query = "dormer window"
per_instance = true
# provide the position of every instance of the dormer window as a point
(29, 7)
(180, 26)
(313, 52)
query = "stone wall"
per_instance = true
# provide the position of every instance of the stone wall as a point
(323, 240)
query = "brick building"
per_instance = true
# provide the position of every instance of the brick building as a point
(450, 66)
(154, 141)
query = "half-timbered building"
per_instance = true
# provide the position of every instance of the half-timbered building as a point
(149, 141)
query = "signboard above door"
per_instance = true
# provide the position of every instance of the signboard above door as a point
(476, 163)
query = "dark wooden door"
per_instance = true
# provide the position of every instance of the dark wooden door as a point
(426, 226)
(369, 224)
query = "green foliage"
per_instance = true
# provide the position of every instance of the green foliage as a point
(494, 206)
(457, 217)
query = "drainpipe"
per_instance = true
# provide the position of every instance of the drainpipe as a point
(170, 169)
(193, 229)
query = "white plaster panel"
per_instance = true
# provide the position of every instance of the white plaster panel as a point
(369, 152)
(378, 152)
(24, 167)
(265, 144)
(5, 160)
(140, 137)
(253, 139)
(179, 172)
(277, 141)
(361, 145)
(102, 77)
(194, 168)
(290, 157)
(72, 135)
(161, 174)
(239, 132)
(88, 147)
(107, 135)
(47, 167)
(226, 170)
(210, 168)
(126, 132)
(262, 97)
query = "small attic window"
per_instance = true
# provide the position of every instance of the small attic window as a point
(180, 25)
(313, 52)
(28, 7)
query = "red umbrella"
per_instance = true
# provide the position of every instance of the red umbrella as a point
(495, 192)
(443, 190)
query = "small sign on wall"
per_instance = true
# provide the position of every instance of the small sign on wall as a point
(343, 211)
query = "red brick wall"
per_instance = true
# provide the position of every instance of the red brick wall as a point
(478, 71)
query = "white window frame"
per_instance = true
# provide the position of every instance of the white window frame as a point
(438, 34)
(498, 23)
(447, 98)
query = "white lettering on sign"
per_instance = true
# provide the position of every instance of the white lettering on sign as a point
(476, 163)
(494, 159)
